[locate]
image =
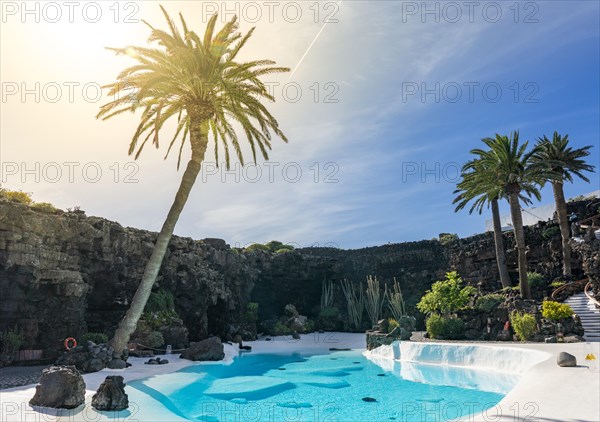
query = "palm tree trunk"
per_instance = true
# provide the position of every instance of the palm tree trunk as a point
(563, 222)
(499, 242)
(199, 140)
(517, 220)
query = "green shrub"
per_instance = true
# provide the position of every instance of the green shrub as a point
(556, 311)
(97, 338)
(281, 329)
(159, 301)
(446, 238)
(440, 327)
(275, 245)
(251, 314)
(17, 196)
(446, 296)
(536, 280)
(392, 323)
(524, 325)
(283, 250)
(154, 339)
(11, 340)
(44, 207)
(550, 232)
(257, 247)
(488, 302)
(329, 319)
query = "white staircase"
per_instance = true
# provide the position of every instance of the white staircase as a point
(589, 314)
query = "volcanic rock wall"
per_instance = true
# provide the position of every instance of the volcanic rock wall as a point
(63, 274)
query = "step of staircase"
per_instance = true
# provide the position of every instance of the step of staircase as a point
(589, 315)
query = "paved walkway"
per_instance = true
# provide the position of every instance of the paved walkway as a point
(15, 376)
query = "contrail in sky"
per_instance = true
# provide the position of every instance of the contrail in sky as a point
(311, 45)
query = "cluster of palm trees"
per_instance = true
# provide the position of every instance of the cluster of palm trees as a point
(507, 169)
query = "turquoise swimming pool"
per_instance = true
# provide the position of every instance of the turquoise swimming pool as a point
(339, 386)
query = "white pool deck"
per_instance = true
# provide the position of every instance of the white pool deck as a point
(545, 392)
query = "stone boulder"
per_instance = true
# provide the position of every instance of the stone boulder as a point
(566, 360)
(90, 358)
(60, 387)
(209, 349)
(111, 394)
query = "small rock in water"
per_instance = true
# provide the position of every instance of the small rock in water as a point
(281, 369)
(239, 400)
(369, 399)
(294, 405)
(381, 375)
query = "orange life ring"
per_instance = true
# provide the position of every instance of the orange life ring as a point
(66, 343)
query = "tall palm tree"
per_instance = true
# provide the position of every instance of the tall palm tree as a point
(200, 82)
(564, 162)
(478, 186)
(518, 177)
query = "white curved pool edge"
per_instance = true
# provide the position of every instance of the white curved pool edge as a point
(474, 356)
(544, 392)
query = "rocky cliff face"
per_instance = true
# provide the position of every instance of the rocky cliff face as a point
(65, 274)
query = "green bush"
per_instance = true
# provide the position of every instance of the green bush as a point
(392, 323)
(524, 325)
(44, 207)
(154, 339)
(440, 327)
(275, 245)
(536, 280)
(556, 311)
(251, 314)
(557, 284)
(16, 196)
(488, 302)
(446, 238)
(97, 338)
(11, 340)
(159, 301)
(446, 296)
(281, 329)
(329, 319)
(550, 232)
(257, 247)
(283, 250)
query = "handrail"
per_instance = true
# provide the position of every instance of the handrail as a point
(555, 293)
(589, 295)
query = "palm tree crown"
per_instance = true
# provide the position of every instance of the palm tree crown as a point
(199, 81)
(561, 158)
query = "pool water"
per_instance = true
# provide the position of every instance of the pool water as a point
(340, 386)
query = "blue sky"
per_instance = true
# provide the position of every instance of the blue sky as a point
(390, 155)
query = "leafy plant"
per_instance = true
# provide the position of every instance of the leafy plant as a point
(283, 250)
(396, 301)
(16, 196)
(488, 302)
(556, 311)
(537, 280)
(557, 284)
(11, 340)
(446, 296)
(524, 325)
(97, 338)
(374, 299)
(159, 301)
(154, 339)
(447, 238)
(448, 328)
(329, 319)
(281, 329)
(355, 302)
(326, 294)
(251, 314)
(276, 246)
(44, 207)
(257, 247)
(550, 232)
(392, 324)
